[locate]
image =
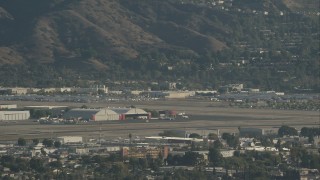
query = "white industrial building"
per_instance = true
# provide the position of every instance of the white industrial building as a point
(106, 114)
(19, 91)
(227, 153)
(45, 107)
(70, 139)
(8, 106)
(91, 114)
(14, 115)
(131, 113)
(173, 139)
(82, 151)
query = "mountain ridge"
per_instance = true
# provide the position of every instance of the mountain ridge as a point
(120, 35)
(169, 40)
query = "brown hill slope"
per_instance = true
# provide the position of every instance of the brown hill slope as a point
(82, 32)
(78, 31)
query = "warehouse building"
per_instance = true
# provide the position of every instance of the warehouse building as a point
(131, 113)
(91, 114)
(8, 106)
(173, 140)
(70, 139)
(145, 152)
(14, 115)
(251, 132)
(45, 107)
(106, 114)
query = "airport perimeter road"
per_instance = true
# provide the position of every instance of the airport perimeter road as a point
(201, 115)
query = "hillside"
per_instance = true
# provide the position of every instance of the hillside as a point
(302, 5)
(69, 31)
(121, 39)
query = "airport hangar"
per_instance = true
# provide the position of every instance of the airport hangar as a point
(14, 115)
(106, 114)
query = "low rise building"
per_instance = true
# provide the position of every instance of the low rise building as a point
(70, 139)
(82, 151)
(14, 115)
(145, 152)
(92, 89)
(173, 139)
(8, 106)
(19, 91)
(227, 153)
(251, 132)
(231, 87)
(178, 94)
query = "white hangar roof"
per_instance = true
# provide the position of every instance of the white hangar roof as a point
(89, 113)
(128, 111)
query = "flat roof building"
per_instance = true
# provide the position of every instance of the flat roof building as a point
(45, 107)
(8, 106)
(70, 139)
(14, 115)
(251, 132)
(174, 139)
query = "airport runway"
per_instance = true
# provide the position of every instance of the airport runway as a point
(203, 115)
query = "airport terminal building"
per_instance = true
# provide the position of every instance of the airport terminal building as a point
(14, 115)
(106, 114)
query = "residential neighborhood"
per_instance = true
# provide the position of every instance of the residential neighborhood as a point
(249, 153)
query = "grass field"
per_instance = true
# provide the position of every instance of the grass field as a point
(202, 115)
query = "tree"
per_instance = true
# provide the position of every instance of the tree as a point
(217, 144)
(7, 160)
(232, 140)
(195, 135)
(43, 152)
(22, 142)
(307, 132)
(22, 164)
(265, 141)
(119, 171)
(292, 174)
(39, 113)
(130, 138)
(287, 131)
(215, 156)
(85, 159)
(256, 171)
(311, 139)
(55, 164)
(175, 160)
(143, 163)
(35, 141)
(57, 144)
(234, 163)
(47, 142)
(154, 113)
(213, 136)
(84, 107)
(37, 165)
(278, 145)
(191, 158)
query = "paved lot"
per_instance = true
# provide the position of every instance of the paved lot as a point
(202, 115)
